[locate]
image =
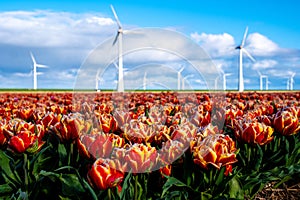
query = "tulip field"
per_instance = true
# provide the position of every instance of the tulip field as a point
(149, 145)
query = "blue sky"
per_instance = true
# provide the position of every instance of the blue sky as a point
(62, 33)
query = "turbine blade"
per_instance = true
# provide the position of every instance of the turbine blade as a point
(41, 66)
(248, 54)
(181, 70)
(97, 75)
(219, 67)
(116, 65)
(245, 35)
(135, 32)
(259, 73)
(116, 38)
(116, 16)
(39, 73)
(32, 58)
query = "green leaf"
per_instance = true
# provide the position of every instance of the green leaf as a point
(127, 190)
(34, 147)
(41, 161)
(87, 185)
(235, 190)
(5, 188)
(176, 182)
(220, 176)
(282, 181)
(71, 186)
(205, 196)
(7, 169)
(63, 156)
(259, 158)
(20, 195)
(64, 198)
(172, 181)
(140, 190)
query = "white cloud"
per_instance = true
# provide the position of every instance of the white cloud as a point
(53, 29)
(215, 44)
(264, 64)
(260, 45)
(247, 81)
(23, 74)
(62, 40)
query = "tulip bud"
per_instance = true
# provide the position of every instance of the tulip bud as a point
(69, 128)
(217, 150)
(108, 123)
(25, 113)
(286, 121)
(23, 141)
(170, 152)
(99, 145)
(3, 138)
(166, 170)
(253, 132)
(103, 176)
(141, 158)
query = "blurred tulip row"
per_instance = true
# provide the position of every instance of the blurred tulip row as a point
(163, 145)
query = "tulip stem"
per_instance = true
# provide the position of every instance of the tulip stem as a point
(135, 187)
(70, 154)
(25, 167)
(109, 193)
(249, 154)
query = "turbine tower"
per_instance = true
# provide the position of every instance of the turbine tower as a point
(288, 84)
(261, 80)
(241, 51)
(119, 37)
(97, 81)
(216, 82)
(224, 80)
(267, 83)
(35, 73)
(183, 80)
(223, 77)
(179, 77)
(292, 81)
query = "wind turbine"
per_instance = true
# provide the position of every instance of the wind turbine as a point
(292, 81)
(119, 37)
(261, 80)
(288, 84)
(183, 80)
(216, 82)
(224, 77)
(242, 50)
(267, 83)
(179, 77)
(224, 80)
(35, 73)
(145, 81)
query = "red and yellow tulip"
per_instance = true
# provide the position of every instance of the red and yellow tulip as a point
(103, 175)
(141, 158)
(286, 121)
(253, 132)
(217, 150)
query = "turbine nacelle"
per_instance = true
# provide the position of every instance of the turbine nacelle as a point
(35, 73)
(119, 39)
(241, 51)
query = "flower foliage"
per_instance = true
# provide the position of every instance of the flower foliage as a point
(146, 145)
